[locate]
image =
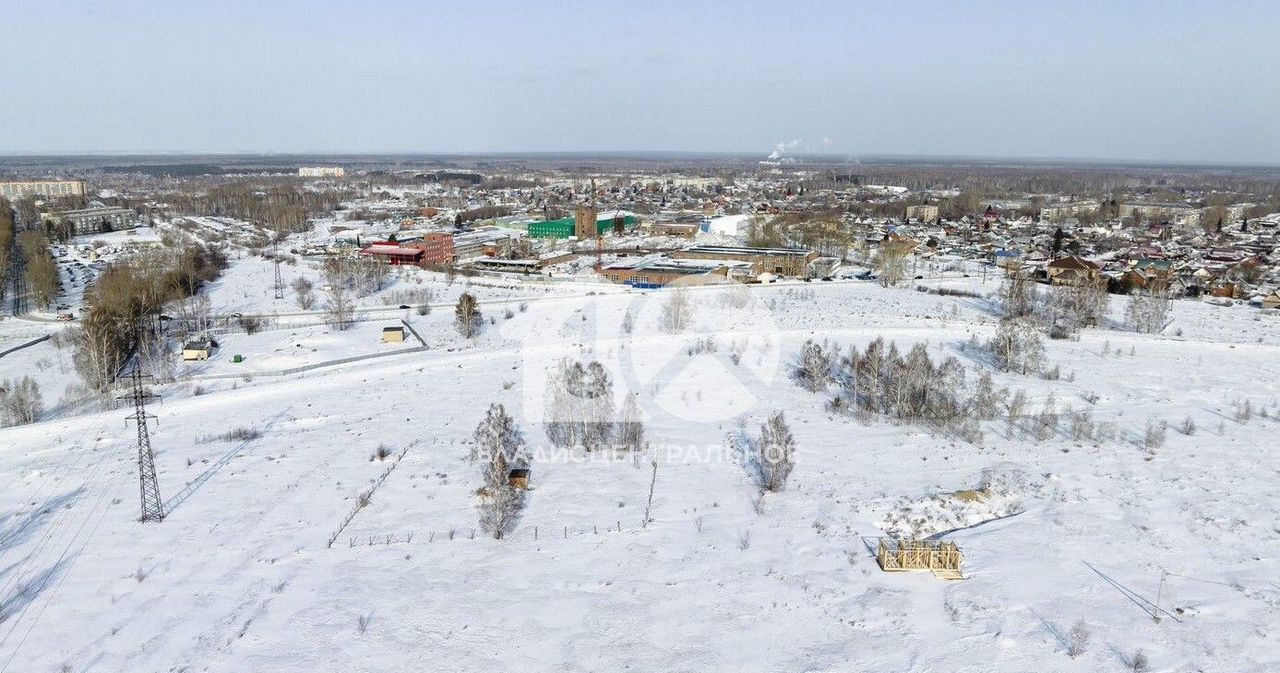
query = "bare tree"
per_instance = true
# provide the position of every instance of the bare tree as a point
(20, 401)
(1148, 308)
(156, 355)
(339, 309)
(1017, 346)
(467, 316)
(813, 368)
(1077, 305)
(303, 293)
(630, 430)
(775, 453)
(101, 345)
(367, 275)
(1018, 296)
(891, 262)
(499, 443)
(986, 399)
(677, 311)
(196, 311)
(580, 412)
(40, 269)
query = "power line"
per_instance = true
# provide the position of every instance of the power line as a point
(100, 507)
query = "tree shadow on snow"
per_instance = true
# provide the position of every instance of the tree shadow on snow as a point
(747, 454)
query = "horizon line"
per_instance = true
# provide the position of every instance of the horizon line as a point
(657, 153)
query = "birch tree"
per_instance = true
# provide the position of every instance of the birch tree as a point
(467, 316)
(775, 453)
(500, 445)
(677, 311)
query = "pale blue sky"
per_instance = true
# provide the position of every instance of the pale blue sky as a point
(1179, 81)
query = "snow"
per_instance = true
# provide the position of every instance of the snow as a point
(239, 577)
(726, 225)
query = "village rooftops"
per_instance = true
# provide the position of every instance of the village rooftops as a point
(1074, 262)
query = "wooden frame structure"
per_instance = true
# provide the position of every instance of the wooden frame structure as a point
(935, 556)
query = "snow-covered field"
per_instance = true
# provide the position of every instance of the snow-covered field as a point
(247, 286)
(240, 576)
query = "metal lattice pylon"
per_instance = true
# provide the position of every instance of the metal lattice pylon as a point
(275, 257)
(149, 487)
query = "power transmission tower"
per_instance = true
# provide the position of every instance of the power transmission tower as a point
(149, 488)
(275, 257)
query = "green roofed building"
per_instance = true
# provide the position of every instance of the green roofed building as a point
(564, 227)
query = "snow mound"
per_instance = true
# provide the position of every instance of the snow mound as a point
(1001, 492)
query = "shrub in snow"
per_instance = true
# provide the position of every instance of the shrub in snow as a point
(1153, 435)
(1244, 412)
(1078, 639)
(1080, 424)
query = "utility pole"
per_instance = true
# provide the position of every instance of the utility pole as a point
(1159, 593)
(149, 488)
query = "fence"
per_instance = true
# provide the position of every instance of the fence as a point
(366, 497)
(534, 533)
(413, 331)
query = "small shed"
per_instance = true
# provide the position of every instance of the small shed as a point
(392, 335)
(198, 350)
(518, 478)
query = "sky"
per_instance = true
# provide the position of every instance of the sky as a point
(1134, 80)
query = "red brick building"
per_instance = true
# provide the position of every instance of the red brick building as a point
(437, 249)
